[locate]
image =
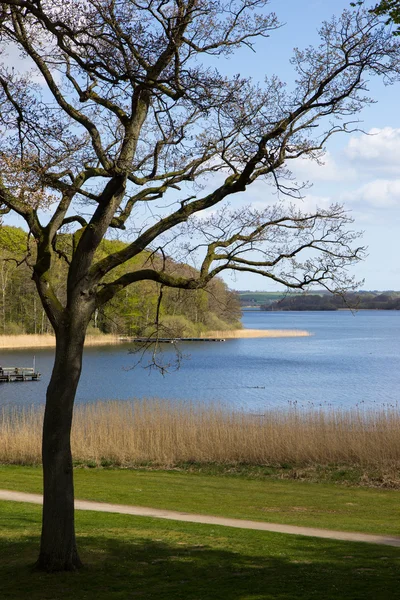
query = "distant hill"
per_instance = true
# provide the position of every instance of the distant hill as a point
(357, 301)
(249, 298)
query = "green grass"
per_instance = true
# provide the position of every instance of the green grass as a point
(260, 297)
(131, 557)
(291, 502)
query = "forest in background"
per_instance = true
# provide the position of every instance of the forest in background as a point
(182, 313)
(324, 301)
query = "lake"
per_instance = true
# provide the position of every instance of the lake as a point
(349, 360)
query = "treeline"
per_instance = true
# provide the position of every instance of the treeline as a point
(356, 301)
(182, 313)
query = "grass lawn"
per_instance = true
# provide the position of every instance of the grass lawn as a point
(291, 502)
(131, 557)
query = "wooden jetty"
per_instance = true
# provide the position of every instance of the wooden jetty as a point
(141, 340)
(8, 374)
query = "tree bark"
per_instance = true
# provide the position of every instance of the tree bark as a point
(58, 551)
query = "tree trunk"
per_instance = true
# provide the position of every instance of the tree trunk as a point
(58, 550)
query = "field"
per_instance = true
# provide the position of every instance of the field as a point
(136, 557)
(144, 558)
(322, 505)
(292, 443)
(257, 298)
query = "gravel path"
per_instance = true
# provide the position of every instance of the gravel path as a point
(173, 515)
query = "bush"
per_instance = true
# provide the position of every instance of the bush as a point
(92, 330)
(173, 326)
(214, 323)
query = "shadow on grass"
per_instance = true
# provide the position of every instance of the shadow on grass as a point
(285, 567)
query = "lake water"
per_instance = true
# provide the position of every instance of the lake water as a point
(350, 360)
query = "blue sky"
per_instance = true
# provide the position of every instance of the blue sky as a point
(361, 171)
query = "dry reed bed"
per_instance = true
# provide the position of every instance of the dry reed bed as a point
(168, 433)
(49, 341)
(256, 333)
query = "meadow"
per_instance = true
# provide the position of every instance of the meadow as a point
(287, 502)
(132, 557)
(140, 557)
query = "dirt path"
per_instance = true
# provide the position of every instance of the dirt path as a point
(173, 515)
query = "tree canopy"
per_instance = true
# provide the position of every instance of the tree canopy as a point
(131, 113)
(391, 9)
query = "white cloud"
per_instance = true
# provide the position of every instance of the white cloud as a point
(379, 150)
(311, 202)
(305, 169)
(379, 193)
(308, 204)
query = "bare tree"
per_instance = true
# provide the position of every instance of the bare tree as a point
(123, 110)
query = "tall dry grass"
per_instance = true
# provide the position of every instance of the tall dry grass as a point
(168, 433)
(256, 333)
(49, 341)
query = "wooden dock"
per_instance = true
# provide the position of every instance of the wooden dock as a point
(8, 374)
(141, 340)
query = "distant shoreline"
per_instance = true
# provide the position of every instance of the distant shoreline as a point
(17, 342)
(257, 333)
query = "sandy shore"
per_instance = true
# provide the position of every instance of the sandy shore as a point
(48, 341)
